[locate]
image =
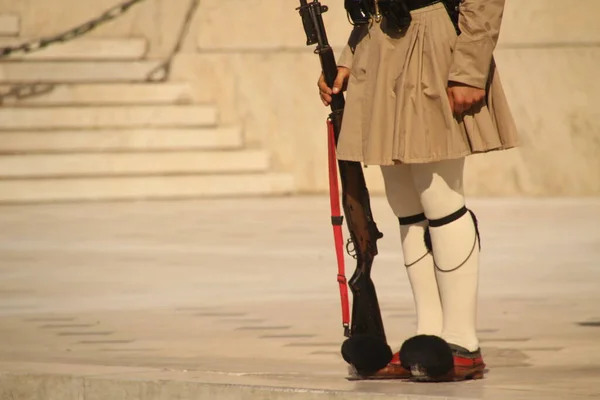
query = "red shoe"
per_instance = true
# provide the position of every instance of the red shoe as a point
(467, 365)
(394, 370)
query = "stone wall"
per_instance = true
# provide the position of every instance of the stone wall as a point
(249, 57)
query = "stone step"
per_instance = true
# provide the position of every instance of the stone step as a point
(128, 164)
(10, 25)
(104, 140)
(102, 49)
(141, 188)
(103, 94)
(22, 118)
(76, 71)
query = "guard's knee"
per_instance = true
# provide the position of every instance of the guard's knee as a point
(447, 220)
(400, 191)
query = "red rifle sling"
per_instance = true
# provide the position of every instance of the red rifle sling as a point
(336, 220)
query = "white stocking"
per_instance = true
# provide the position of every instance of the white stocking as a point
(405, 202)
(455, 247)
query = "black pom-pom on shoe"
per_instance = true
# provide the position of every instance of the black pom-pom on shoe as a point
(427, 354)
(368, 354)
(347, 353)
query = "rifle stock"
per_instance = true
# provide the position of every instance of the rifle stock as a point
(366, 314)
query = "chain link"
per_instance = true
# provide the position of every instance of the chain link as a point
(71, 34)
(20, 92)
(163, 71)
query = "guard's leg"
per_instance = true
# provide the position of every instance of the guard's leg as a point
(454, 239)
(406, 205)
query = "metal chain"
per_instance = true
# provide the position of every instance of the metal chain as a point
(160, 74)
(27, 90)
(71, 34)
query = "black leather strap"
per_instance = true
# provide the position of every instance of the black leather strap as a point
(413, 219)
(451, 8)
(416, 4)
(435, 223)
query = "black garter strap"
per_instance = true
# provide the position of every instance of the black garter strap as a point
(413, 219)
(436, 223)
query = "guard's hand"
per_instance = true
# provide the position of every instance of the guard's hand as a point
(463, 97)
(341, 81)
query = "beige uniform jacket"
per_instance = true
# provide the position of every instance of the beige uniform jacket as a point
(479, 22)
(397, 107)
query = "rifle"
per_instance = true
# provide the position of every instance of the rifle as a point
(366, 345)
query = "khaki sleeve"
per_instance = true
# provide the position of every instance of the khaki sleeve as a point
(347, 56)
(479, 22)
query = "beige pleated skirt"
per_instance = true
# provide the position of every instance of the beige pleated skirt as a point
(397, 108)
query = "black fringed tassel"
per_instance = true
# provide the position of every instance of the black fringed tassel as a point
(476, 227)
(368, 354)
(427, 239)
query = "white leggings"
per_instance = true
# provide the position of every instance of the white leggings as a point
(433, 188)
(444, 281)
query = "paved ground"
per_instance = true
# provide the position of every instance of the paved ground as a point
(237, 299)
